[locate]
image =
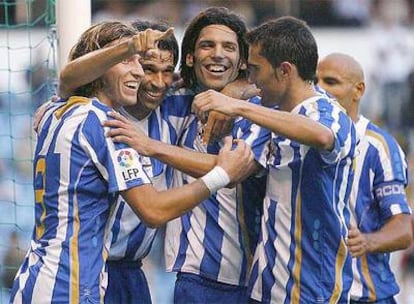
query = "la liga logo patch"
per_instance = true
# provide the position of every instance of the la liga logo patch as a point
(125, 159)
(128, 164)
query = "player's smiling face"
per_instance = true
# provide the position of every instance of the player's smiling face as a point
(159, 70)
(121, 82)
(216, 58)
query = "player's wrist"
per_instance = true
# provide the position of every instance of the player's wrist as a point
(369, 242)
(154, 148)
(216, 179)
(132, 50)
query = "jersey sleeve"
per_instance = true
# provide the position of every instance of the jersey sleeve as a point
(118, 164)
(256, 137)
(390, 174)
(330, 114)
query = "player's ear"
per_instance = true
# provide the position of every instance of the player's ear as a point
(189, 60)
(359, 90)
(285, 68)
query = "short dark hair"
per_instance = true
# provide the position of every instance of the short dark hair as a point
(168, 44)
(287, 39)
(96, 37)
(210, 16)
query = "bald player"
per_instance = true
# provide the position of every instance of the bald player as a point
(378, 201)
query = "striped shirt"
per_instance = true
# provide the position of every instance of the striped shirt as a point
(301, 256)
(377, 195)
(78, 173)
(131, 238)
(212, 240)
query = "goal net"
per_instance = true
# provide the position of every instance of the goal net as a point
(27, 79)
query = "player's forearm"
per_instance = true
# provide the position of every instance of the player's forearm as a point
(395, 235)
(157, 208)
(293, 126)
(190, 162)
(89, 67)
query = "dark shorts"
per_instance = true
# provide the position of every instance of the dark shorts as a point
(127, 283)
(390, 300)
(192, 289)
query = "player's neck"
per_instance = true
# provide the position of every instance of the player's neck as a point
(138, 111)
(296, 95)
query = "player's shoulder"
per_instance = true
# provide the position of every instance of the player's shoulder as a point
(324, 105)
(88, 112)
(380, 138)
(177, 100)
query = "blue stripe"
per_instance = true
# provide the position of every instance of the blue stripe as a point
(136, 237)
(117, 222)
(267, 275)
(213, 238)
(185, 223)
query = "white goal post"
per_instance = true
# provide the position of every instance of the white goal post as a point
(73, 17)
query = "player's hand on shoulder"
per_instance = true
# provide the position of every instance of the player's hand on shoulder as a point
(40, 112)
(212, 100)
(123, 130)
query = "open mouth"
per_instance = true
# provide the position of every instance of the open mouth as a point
(155, 96)
(216, 68)
(133, 85)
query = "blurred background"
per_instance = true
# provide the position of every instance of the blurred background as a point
(377, 33)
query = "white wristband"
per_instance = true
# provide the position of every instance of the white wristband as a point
(216, 179)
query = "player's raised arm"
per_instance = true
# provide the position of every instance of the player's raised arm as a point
(91, 66)
(291, 125)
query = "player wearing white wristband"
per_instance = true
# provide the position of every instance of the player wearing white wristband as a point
(216, 179)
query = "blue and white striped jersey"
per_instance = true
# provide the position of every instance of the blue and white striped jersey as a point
(78, 173)
(301, 256)
(132, 239)
(378, 194)
(212, 240)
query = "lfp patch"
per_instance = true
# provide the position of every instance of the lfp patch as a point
(129, 164)
(125, 159)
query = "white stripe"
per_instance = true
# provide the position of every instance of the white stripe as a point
(356, 287)
(284, 217)
(195, 250)
(231, 262)
(172, 242)
(341, 205)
